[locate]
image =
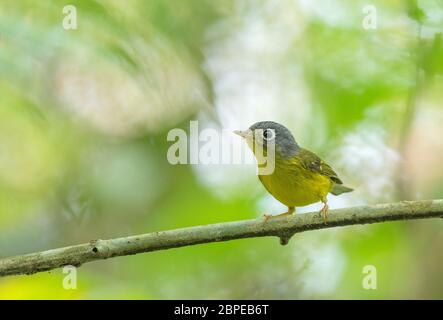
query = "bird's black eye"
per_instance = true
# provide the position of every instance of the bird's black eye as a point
(268, 134)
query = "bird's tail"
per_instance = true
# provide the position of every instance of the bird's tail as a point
(338, 189)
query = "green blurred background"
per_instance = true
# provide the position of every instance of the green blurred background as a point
(84, 116)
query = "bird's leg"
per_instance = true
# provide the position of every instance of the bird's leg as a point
(325, 209)
(290, 211)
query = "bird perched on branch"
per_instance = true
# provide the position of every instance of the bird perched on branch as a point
(294, 176)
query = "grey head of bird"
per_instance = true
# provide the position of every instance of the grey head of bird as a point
(269, 134)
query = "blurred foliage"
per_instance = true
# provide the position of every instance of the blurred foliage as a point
(84, 116)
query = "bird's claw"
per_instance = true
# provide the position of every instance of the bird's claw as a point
(324, 213)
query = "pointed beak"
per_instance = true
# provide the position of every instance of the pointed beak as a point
(244, 133)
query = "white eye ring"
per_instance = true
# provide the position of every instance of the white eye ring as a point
(268, 134)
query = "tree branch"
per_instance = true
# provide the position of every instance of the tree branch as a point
(284, 228)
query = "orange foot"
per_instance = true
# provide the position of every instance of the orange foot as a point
(290, 211)
(324, 212)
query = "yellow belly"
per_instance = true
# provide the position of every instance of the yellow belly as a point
(295, 186)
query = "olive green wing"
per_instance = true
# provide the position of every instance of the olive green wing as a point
(312, 162)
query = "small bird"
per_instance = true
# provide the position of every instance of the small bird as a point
(299, 177)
